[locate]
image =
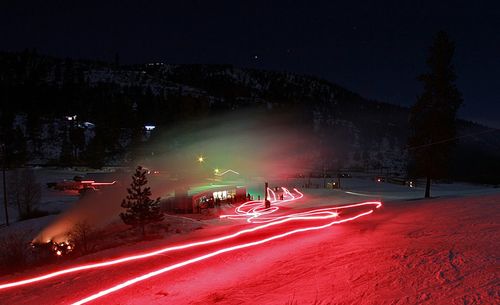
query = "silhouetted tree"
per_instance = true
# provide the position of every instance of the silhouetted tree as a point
(66, 154)
(140, 209)
(96, 151)
(432, 118)
(84, 237)
(77, 139)
(25, 192)
(102, 145)
(15, 146)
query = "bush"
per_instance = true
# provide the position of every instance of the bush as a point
(84, 238)
(25, 193)
(14, 254)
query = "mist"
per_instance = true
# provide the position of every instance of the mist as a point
(259, 145)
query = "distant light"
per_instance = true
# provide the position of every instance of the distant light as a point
(201, 159)
(87, 125)
(71, 117)
(149, 127)
(58, 252)
(227, 171)
(216, 171)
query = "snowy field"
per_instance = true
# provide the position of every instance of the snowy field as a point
(51, 201)
(438, 251)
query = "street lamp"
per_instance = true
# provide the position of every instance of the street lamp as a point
(216, 171)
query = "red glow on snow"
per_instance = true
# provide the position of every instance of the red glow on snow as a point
(253, 211)
(103, 183)
(93, 183)
(138, 256)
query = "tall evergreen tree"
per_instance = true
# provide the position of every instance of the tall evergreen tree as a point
(141, 210)
(432, 118)
(77, 140)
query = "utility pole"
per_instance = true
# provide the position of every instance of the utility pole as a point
(2, 147)
(324, 177)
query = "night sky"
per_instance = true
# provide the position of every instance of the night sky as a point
(375, 48)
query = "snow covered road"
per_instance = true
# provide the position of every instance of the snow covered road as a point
(442, 251)
(282, 226)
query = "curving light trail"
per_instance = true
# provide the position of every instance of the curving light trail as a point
(139, 256)
(219, 252)
(253, 211)
(227, 171)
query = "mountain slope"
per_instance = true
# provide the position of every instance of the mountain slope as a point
(352, 132)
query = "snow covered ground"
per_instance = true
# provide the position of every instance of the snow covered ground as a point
(51, 200)
(438, 251)
(442, 251)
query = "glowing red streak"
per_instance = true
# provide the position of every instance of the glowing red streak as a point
(272, 193)
(103, 183)
(92, 182)
(252, 210)
(136, 257)
(221, 251)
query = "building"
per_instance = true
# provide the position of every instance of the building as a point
(199, 198)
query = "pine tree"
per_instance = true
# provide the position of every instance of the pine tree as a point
(77, 140)
(433, 116)
(66, 155)
(96, 151)
(141, 210)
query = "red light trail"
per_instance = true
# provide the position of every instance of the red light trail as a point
(254, 212)
(139, 256)
(218, 252)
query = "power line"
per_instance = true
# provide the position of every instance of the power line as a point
(452, 139)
